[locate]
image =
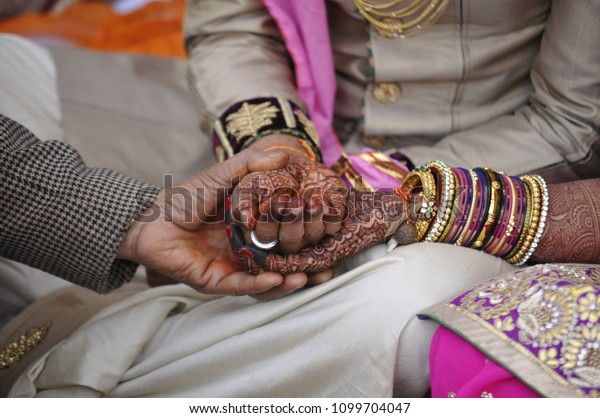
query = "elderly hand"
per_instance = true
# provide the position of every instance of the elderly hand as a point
(297, 205)
(183, 235)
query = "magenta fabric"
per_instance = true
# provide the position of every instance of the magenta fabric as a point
(303, 25)
(457, 369)
(376, 178)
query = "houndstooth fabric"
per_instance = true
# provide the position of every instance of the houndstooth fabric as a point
(62, 217)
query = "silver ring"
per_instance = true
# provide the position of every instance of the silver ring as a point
(262, 245)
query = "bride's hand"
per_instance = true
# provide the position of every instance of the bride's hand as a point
(369, 218)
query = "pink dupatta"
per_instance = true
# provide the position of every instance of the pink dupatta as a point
(304, 27)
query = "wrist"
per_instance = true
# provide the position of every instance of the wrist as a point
(128, 244)
(252, 121)
(295, 147)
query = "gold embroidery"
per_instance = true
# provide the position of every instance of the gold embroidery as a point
(223, 139)
(309, 127)
(507, 324)
(589, 307)
(546, 316)
(249, 119)
(220, 153)
(582, 354)
(553, 300)
(549, 357)
(383, 163)
(288, 114)
(23, 344)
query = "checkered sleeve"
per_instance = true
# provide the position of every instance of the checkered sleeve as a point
(62, 217)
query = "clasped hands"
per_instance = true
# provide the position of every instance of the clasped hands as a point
(317, 221)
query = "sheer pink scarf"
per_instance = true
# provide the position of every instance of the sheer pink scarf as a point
(304, 27)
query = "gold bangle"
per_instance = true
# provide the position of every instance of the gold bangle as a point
(308, 149)
(533, 218)
(421, 179)
(497, 247)
(495, 197)
(447, 195)
(453, 211)
(312, 157)
(539, 217)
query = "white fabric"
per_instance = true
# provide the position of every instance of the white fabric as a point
(28, 91)
(355, 336)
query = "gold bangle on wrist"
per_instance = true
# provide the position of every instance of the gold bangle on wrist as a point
(421, 180)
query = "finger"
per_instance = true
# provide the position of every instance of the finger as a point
(312, 260)
(291, 231)
(241, 283)
(320, 278)
(220, 179)
(244, 207)
(314, 229)
(334, 209)
(260, 161)
(266, 230)
(290, 284)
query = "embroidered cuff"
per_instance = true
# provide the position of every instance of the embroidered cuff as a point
(245, 122)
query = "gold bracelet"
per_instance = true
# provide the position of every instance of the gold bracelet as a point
(495, 198)
(453, 211)
(421, 179)
(533, 218)
(446, 197)
(496, 247)
(311, 155)
(541, 219)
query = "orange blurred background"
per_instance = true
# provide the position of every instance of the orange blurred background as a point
(154, 29)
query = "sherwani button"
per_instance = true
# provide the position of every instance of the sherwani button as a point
(387, 92)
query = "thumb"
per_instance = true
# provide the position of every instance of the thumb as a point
(219, 180)
(228, 173)
(266, 161)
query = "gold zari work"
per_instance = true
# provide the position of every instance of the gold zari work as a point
(23, 344)
(399, 18)
(553, 312)
(309, 127)
(249, 119)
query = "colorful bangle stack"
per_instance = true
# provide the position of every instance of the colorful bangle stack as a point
(499, 214)
(245, 122)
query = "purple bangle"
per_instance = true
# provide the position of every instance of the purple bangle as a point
(520, 218)
(482, 207)
(511, 234)
(470, 209)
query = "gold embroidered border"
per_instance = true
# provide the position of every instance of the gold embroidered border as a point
(518, 347)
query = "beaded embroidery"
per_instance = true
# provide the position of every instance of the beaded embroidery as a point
(550, 313)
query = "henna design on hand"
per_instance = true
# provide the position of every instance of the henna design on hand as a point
(572, 232)
(369, 216)
(260, 194)
(305, 191)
